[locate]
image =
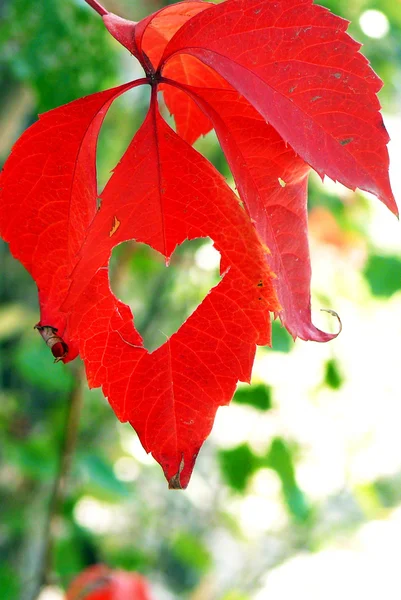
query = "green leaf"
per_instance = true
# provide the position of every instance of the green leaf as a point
(34, 362)
(383, 274)
(35, 457)
(58, 41)
(9, 584)
(129, 557)
(258, 396)
(100, 476)
(190, 550)
(388, 490)
(333, 377)
(282, 341)
(279, 459)
(237, 466)
(68, 556)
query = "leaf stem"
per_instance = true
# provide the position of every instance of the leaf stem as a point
(97, 7)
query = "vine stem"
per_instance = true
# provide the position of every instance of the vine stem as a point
(97, 7)
(58, 490)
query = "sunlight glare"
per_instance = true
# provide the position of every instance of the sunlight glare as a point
(51, 593)
(96, 516)
(126, 469)
(374, 24)
(207, 257)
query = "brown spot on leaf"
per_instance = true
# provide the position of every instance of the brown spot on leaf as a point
(346, 141)
(115, 226)
(175, 481)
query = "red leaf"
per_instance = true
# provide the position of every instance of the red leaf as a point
(170, 396)
(147, 39)
(101, 583)
(191, 122)
(272, 181)
(295, 64)
(164, 24)
(279, 81)
(48, 198)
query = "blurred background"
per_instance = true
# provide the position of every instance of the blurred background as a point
(298, 489)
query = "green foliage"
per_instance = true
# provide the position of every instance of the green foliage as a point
(162, 297)
(258, 395)
(32, 457)
(240, 463)
(98, 477)
(333, 377)
(282, 341)
(58, 48)
(9, 586)
(280, 460)
(32, 363)
(188, 549)
(383, 274)
(69, 554)
(132, 556)
(237, 466)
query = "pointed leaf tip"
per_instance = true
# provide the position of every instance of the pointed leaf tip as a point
(175, 482)
(332, 336)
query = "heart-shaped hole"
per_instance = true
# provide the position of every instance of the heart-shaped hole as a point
(161, 297)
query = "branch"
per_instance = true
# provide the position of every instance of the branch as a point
(57, 494)
(97, 7)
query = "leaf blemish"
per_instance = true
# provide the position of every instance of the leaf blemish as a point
(302, 30)
(115, 226)
(346, 141)
(175, 481)
(56, 344)
(282, 182)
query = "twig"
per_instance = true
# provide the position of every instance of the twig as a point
(16, 106)
(57, 494)
(97, 7)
